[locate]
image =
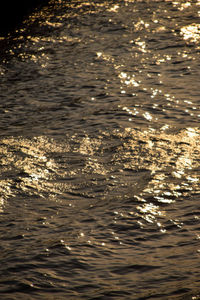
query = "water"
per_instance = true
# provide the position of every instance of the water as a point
(99, 151)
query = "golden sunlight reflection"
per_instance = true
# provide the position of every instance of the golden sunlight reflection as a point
(180, 149)
(141, 44)
(114, 8)
(104, 56)
(181, 5)
(34, 170)
(168, 157)
(165, 58)
(150, 210)
(191, 32)
(1, 204)
(147, 116)
(60, 39)
(128, 79)
(140, 25)
(41, 57)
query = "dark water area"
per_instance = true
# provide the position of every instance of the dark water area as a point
(12, 13)
(100, 152)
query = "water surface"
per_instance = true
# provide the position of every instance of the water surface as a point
(99, 152)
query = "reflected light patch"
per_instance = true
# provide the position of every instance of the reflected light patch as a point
(128, 79)
(30, 166)
(149, 212)
(191, 32)
(147, 116)
(1, 204)
(181, 6)
(166, 158)
(184, 162)
(114, 8)
(150, 208)
(141, 25)
(170, 157)
(104, 56)
(54, 24)
(142, 45)
(191, 132)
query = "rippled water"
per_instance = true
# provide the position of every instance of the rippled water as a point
(100, 152)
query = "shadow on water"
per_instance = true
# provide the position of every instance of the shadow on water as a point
(13, 13)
